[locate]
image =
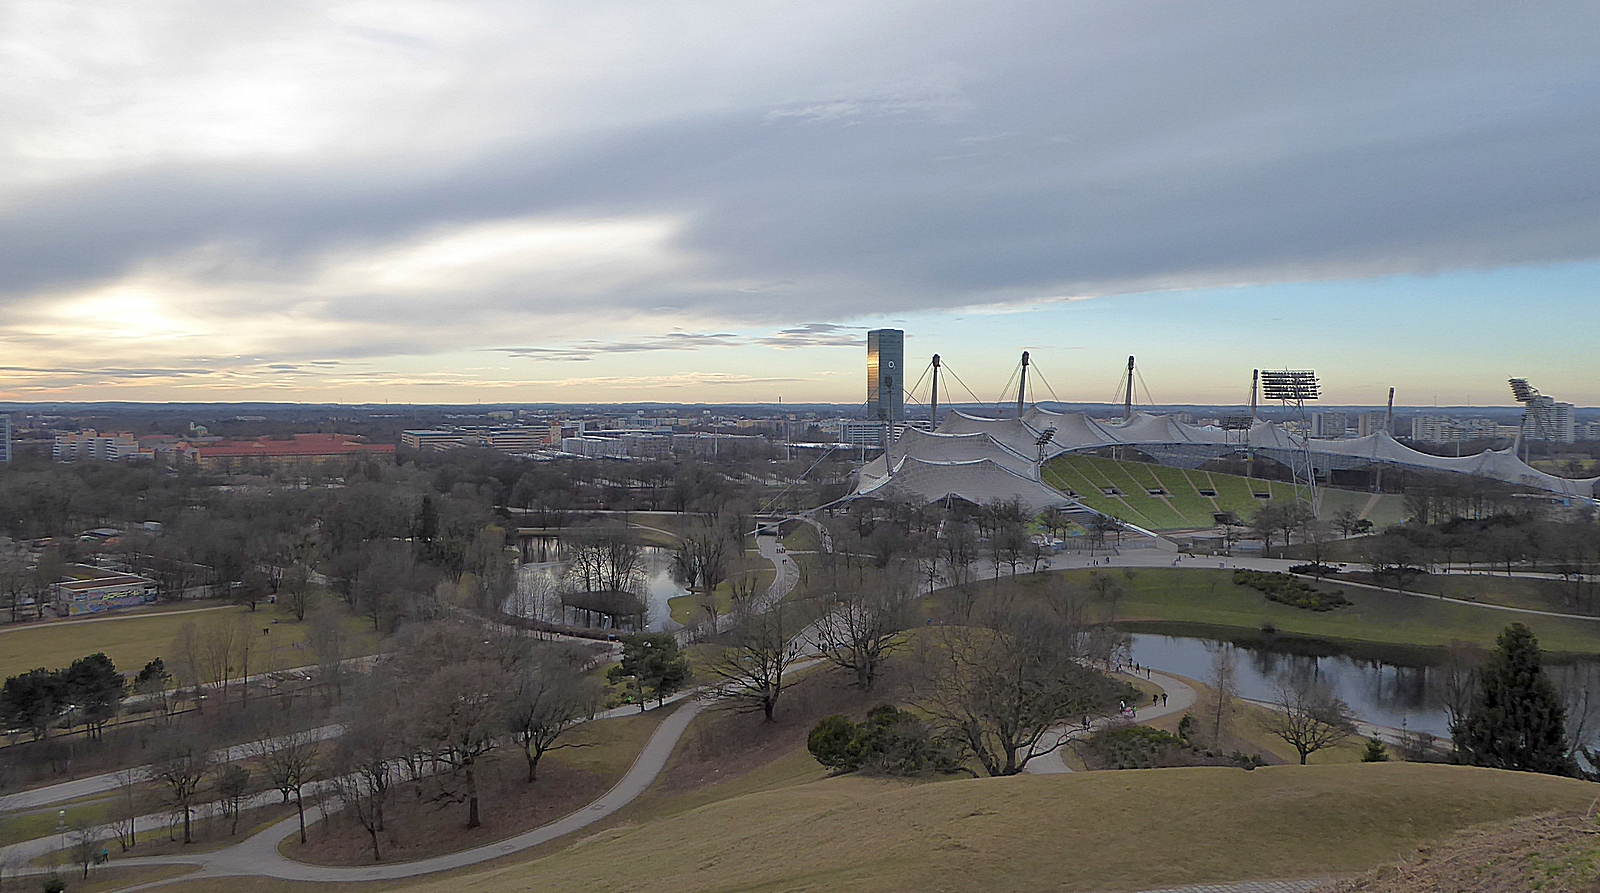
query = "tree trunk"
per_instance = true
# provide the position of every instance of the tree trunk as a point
(472, 799)
(186, 837)
(300, 807)
(533, 764)
(372, 832)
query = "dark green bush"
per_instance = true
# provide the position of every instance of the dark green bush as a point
(830, 742)
(1376, 752)
(889, 742)
(1286, 590)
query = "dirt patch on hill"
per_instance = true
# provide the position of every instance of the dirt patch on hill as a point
(724, 743)
(1551, 853)
(428, 818)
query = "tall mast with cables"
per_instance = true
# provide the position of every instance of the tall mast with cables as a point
(933, 405)
(1127, 401)
(1022, 385)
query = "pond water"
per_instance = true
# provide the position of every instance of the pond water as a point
(545, 569)
(1389, 694)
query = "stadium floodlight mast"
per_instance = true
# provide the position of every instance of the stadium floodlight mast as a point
(1529, 397)
(1296, 387)
(1044, 439)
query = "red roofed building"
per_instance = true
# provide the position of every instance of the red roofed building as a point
(302, 449)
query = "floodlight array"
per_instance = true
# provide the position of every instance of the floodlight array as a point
(1290, 385)
(1524, 392)
(1236, 422)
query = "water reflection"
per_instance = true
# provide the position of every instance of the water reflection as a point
(1378, 692)
(1395, 695)
(540, 579)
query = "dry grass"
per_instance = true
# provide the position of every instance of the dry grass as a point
(1099, 831)
(1552, 853)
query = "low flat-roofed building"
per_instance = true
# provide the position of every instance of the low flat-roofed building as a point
(431, 439)
(90, 444)
(301, 449)
(90, 590)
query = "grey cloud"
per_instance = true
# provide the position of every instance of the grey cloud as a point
(588, 350)
(1089, 148)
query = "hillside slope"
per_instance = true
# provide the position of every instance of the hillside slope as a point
(1095, 831)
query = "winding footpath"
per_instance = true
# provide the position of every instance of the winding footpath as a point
(1180, 697)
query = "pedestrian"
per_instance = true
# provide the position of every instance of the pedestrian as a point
(1154, 699)
(1147, 672)
(1163, 699)
(1086, 722)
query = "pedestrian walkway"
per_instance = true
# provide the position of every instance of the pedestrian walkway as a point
(1180, 697)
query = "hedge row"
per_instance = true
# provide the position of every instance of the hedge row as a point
(1286, 590)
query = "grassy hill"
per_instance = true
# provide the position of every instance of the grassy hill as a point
(1128, 830)
(1159, 497)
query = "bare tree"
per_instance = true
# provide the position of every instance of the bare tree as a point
(702, 559)
(127, 808)
(331, 642)
(180, 761)
(364, 762)
(1000, 691)
(547, 699)
(1308, 716)
(363, 796)
(218, 641)
(960, 547)
(752, 666)
(1216, 708)
(296, 590)
(232, 787)
(290, 761)
(1455, 681)
(86, 845)
(865, 620)
(458, 713)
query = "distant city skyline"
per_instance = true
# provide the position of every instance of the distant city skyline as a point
(714, 202)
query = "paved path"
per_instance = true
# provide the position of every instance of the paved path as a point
(1180, 696)
(100, 784)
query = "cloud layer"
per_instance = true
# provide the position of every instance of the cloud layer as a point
(231, 186)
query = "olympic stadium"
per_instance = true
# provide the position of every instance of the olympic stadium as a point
(1046, 459)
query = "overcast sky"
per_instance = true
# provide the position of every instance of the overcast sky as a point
(712, 201)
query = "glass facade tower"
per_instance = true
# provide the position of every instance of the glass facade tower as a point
(886, 355)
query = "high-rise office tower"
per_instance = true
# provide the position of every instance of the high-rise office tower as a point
(5, 438)
(886, 355)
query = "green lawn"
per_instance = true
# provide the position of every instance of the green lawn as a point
(1209, 598)
(1129, 830)
(133, 640)
(1183, 506)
